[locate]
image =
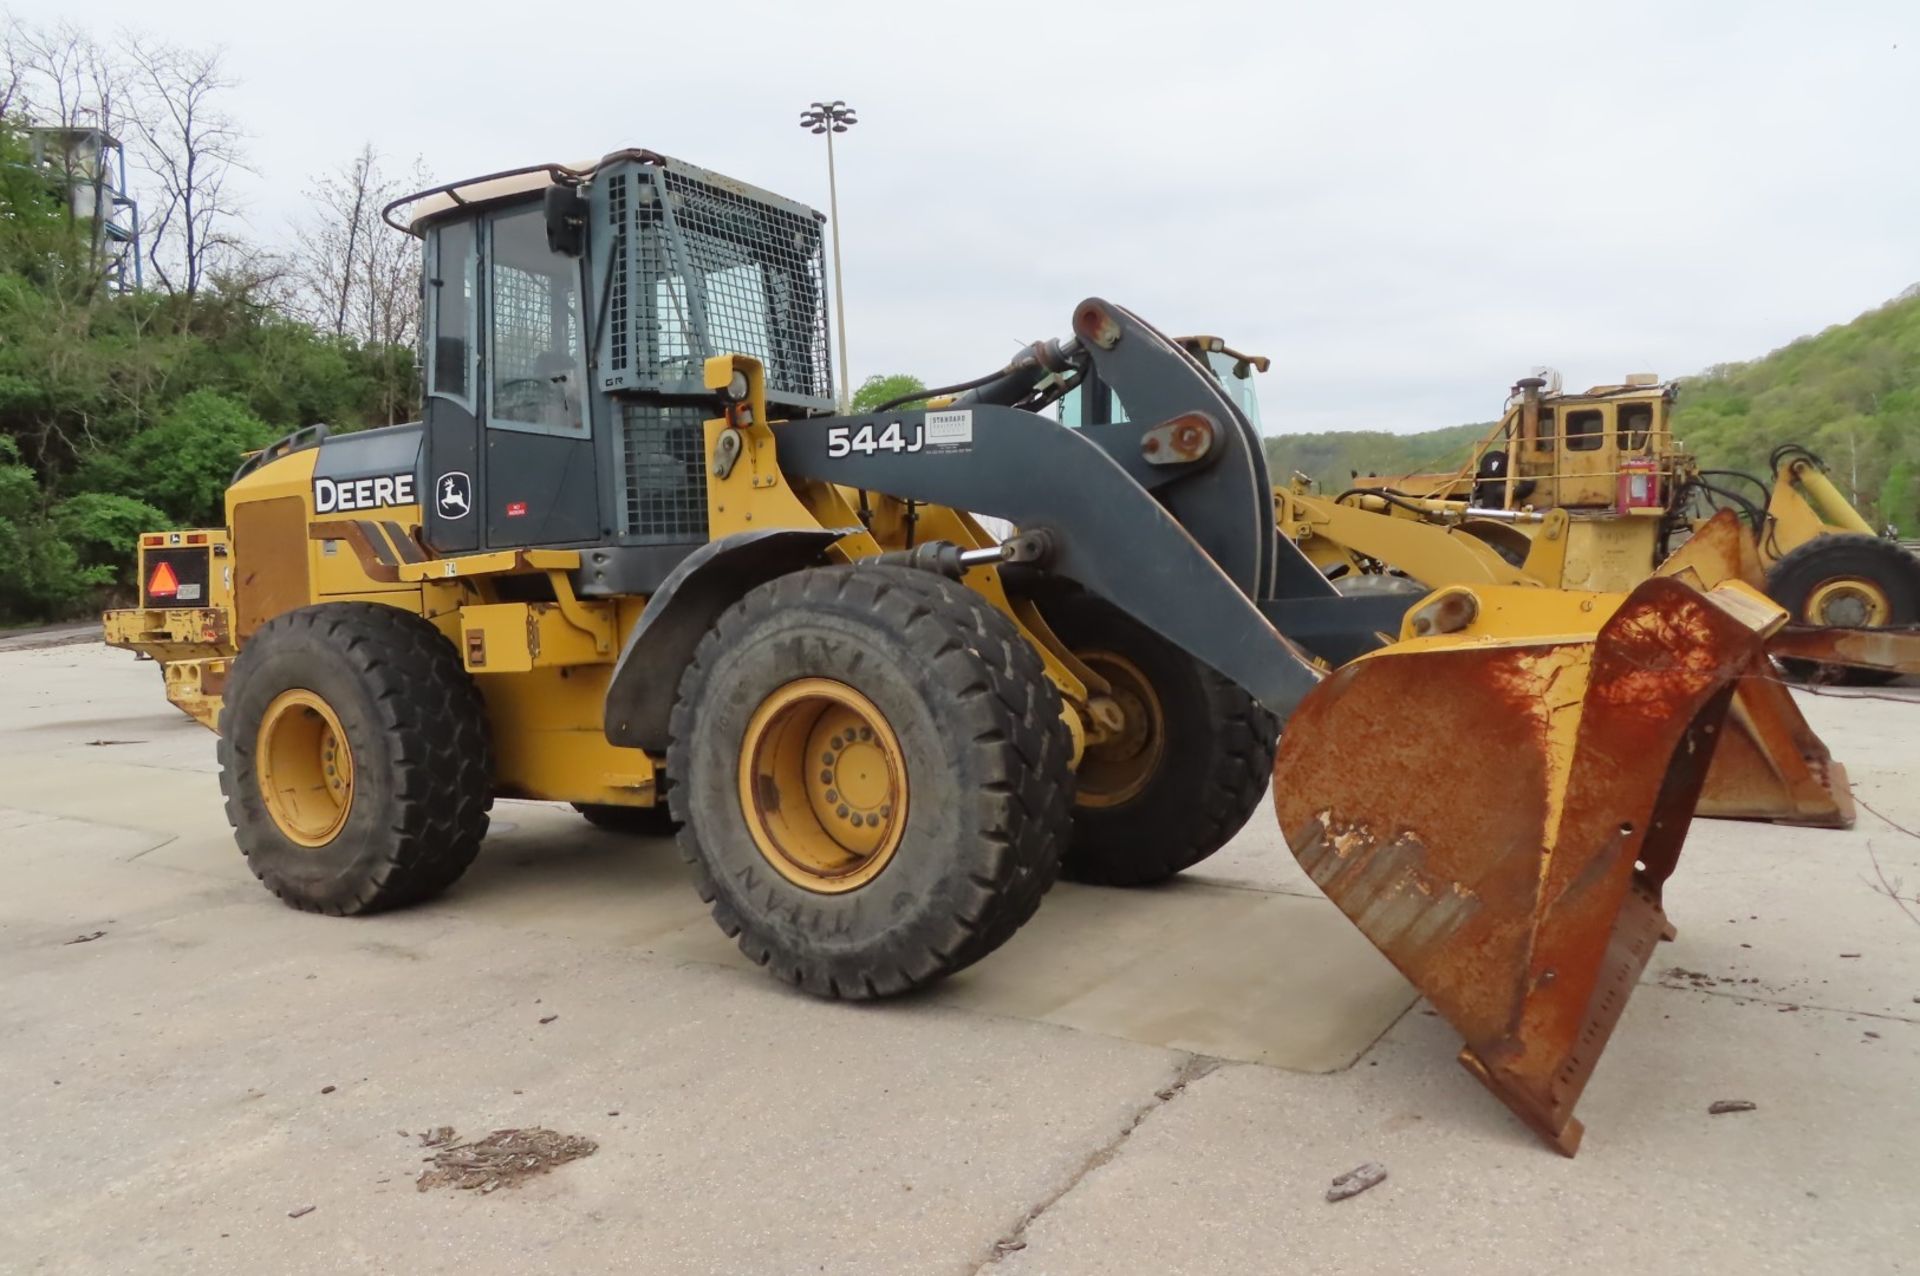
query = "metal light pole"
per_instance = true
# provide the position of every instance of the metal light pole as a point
(830, 118)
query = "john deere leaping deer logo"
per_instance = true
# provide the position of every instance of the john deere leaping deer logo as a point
(453, 494)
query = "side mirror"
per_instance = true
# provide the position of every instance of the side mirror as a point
(566, 210)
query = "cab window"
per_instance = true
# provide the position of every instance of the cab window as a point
(1636, 428)
(1236, 378)
(1544, 440)
(1586, 430)
(535, 377)
(450, 319)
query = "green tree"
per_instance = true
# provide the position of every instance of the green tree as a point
(120, 413)
(40, 574)
(1900, 496)
(182, 465)
(103, 528)
(877, 389)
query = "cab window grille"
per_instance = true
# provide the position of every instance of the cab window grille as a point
(665, 472)
(702, 266)
(617, 331)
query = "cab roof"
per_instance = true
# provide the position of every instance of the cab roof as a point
(495, 188)
(518, 183)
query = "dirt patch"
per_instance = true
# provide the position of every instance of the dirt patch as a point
(503, 1159)
(1701, 981)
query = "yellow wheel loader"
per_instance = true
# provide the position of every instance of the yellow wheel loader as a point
(631, 559)
(1632, 494)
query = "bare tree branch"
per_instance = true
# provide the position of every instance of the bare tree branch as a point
(360, 275)
(190, 146)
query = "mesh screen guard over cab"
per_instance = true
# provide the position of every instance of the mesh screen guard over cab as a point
(691, 264)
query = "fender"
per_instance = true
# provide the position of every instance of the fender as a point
(683, 609)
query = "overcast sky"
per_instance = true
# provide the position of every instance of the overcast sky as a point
(1405, 205)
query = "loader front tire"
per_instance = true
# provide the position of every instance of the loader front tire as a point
(1182, 779)
(872, 774)
(355, 759)
(1850, 580)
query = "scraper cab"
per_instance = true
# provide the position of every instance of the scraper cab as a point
(631, 559)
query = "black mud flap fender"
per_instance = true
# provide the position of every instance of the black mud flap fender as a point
(678, 615)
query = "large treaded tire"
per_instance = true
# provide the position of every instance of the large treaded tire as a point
(422, 756)
(1804, 568)
(987, 759)
(1215, 766)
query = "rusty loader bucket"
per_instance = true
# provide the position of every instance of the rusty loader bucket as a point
(1498, 816)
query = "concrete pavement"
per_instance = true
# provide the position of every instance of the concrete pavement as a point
(1140, 1082)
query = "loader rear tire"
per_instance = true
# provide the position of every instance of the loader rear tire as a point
(1852, 580)
(640, 821)
(1148, 806)
(355, 759)
(873, 777)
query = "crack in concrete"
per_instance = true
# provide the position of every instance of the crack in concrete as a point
(1191, 1070)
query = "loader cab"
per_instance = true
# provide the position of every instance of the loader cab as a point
(568, 317)
(1607, 448)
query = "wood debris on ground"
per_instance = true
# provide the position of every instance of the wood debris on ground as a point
(1357, 1180)
(502, 1159)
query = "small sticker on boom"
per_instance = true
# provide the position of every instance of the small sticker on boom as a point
(340, 496)
(950, 431)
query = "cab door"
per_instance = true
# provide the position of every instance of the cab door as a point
(1589, 458)
(539, 485)
(450, 465)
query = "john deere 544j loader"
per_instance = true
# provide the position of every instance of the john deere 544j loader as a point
(630, 558)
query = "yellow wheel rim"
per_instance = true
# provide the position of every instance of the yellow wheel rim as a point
(1116, 769)
(1853, 602)
(823, 785)
(305, 767)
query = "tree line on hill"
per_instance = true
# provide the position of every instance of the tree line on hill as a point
(1851, 394)
(124, 411)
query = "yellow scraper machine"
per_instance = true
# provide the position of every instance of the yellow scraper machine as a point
(631, 559)
(1591, 490)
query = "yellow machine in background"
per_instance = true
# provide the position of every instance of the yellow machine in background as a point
(1592, 491)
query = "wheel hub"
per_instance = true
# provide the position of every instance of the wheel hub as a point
(823, 785)
(1117, 768)
(1850, 602)
(305, 767)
